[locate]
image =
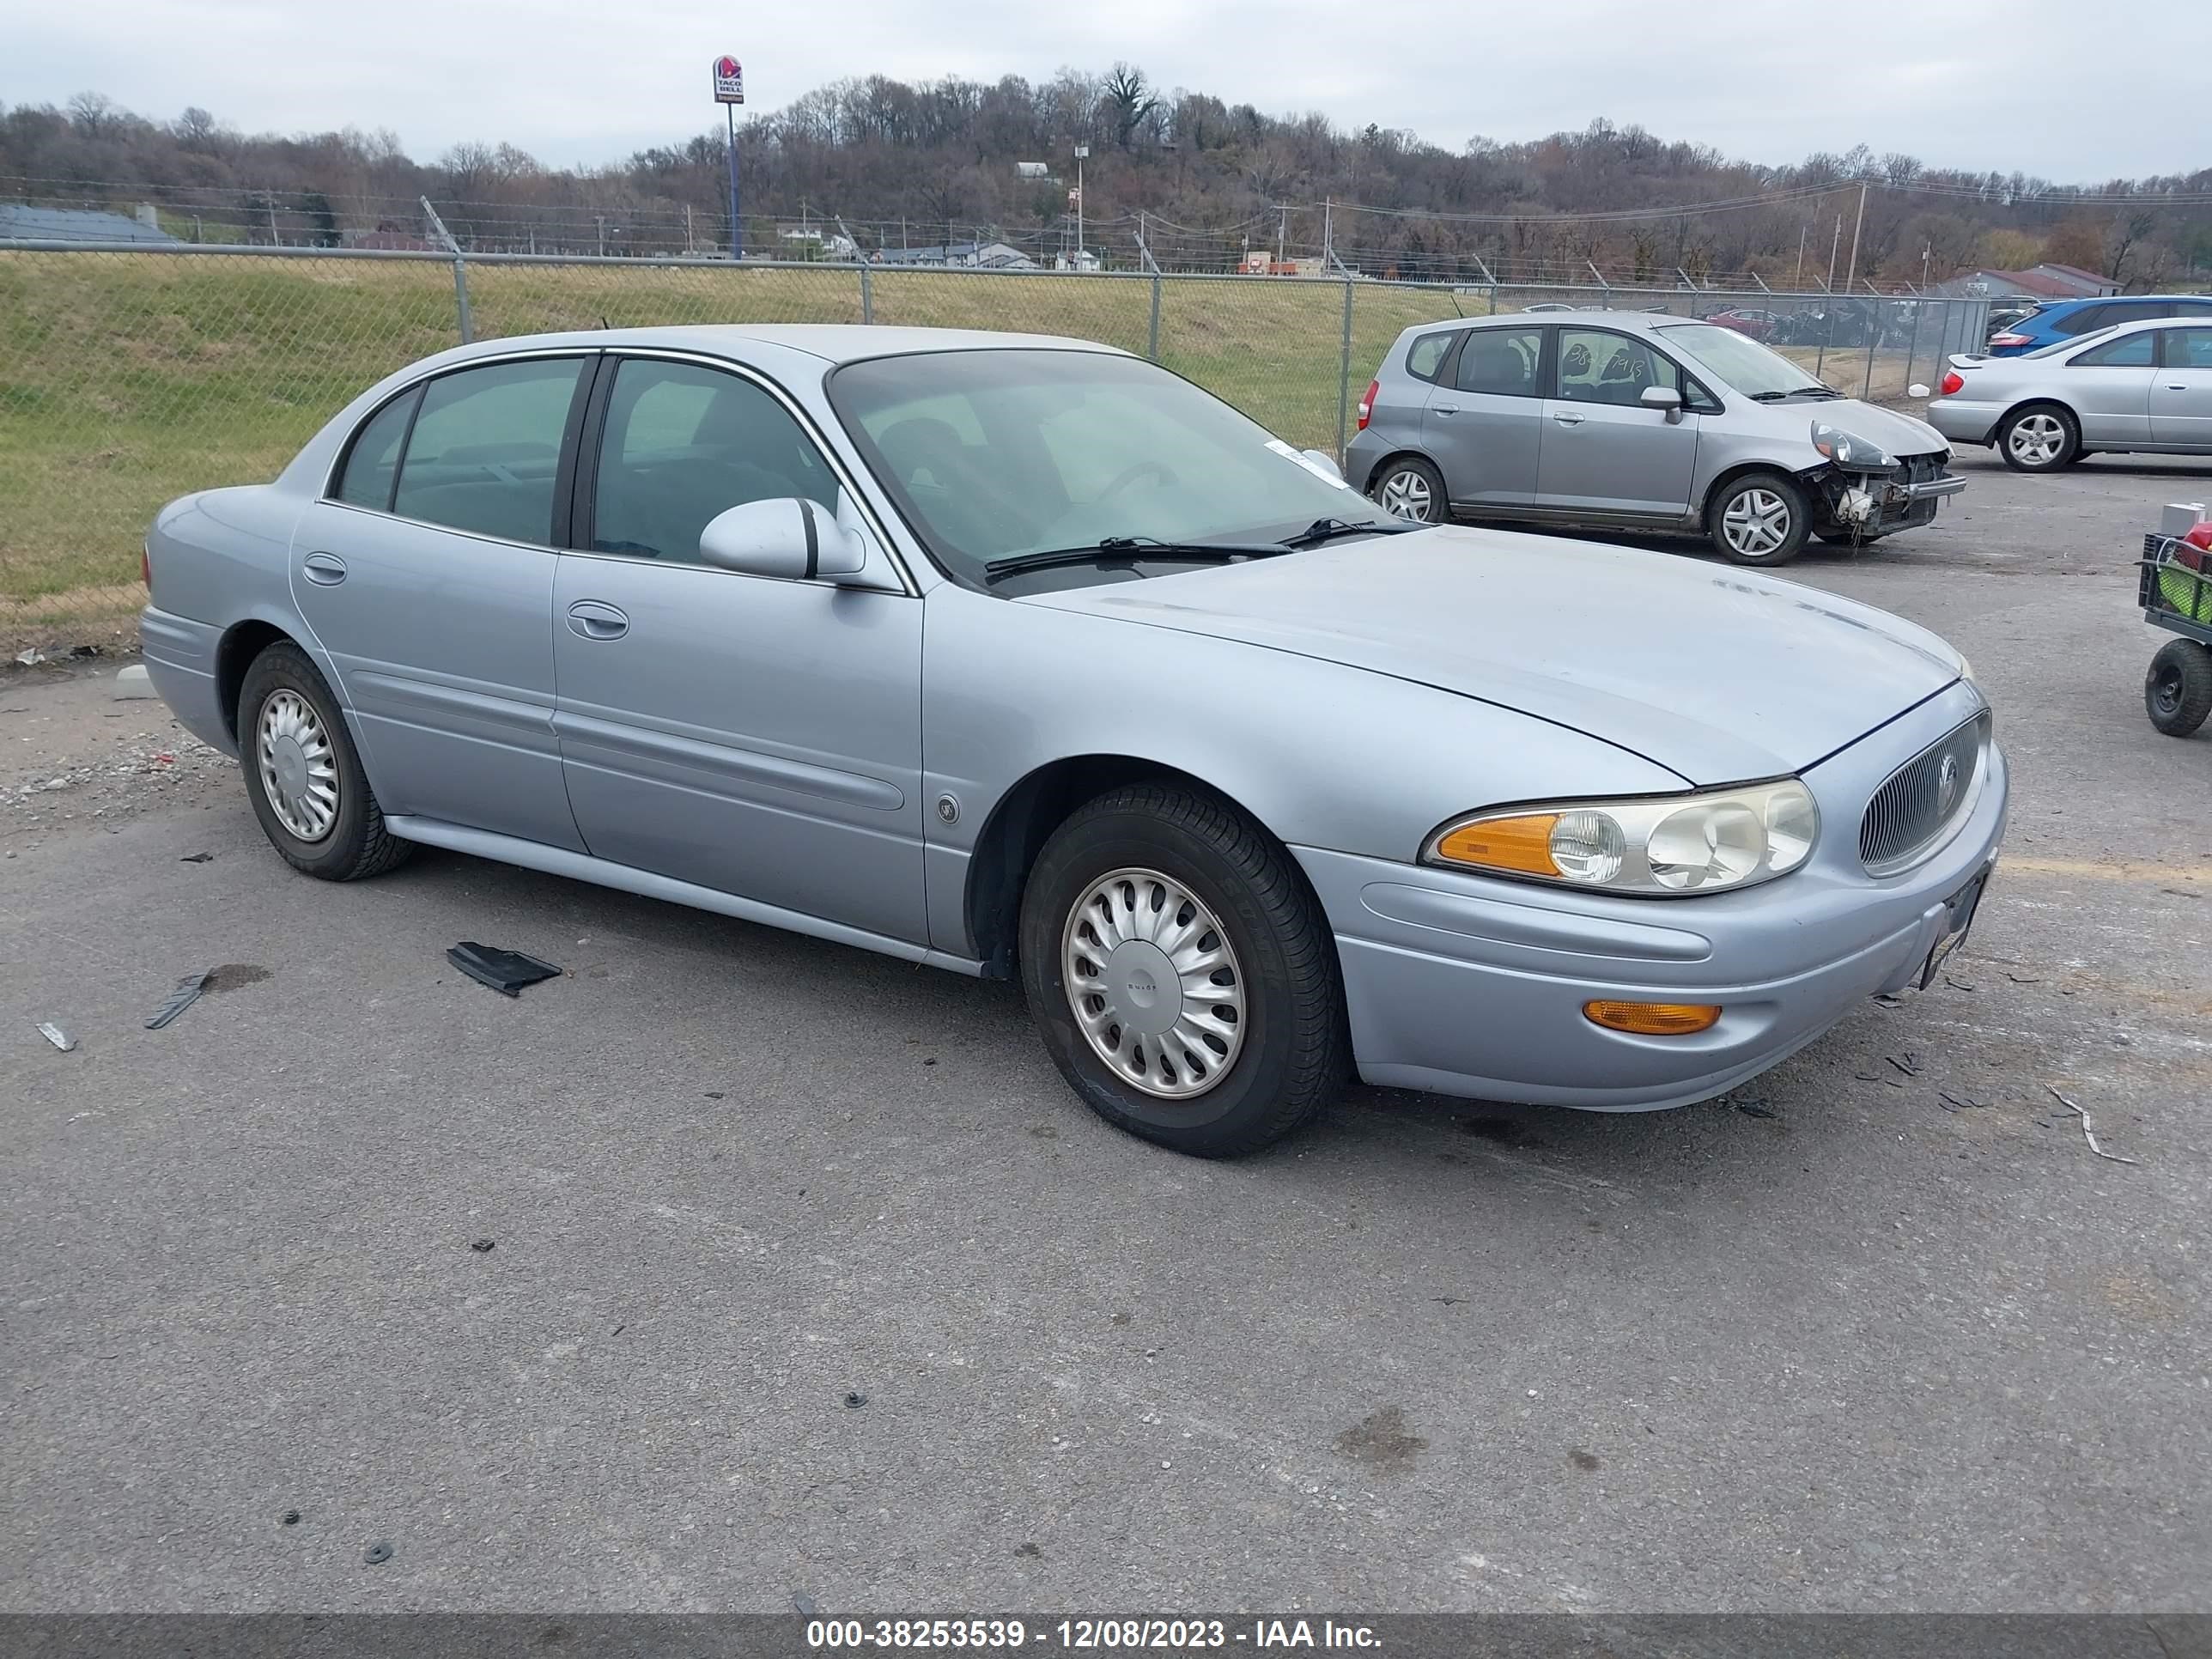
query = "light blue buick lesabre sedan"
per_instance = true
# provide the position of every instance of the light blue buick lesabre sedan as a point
(1024, 657)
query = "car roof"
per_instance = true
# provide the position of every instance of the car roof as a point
(834, 343)
(2119, 299)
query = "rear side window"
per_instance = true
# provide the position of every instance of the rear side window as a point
(373, 462)
(1425, 355)
(2188, 348)
(2128, 351)
(2088, 319)
(486, 449)
(1502, 362)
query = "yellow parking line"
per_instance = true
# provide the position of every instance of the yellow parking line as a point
(2162, 875)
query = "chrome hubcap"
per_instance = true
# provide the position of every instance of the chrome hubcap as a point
(1756, 522)
(1406, 495)
(2037, 440)
(299, 772)
(1154, 985)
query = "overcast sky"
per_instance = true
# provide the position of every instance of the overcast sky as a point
(2052, 89)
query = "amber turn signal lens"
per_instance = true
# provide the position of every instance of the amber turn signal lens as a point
(1523, 844)
(1653, 1018)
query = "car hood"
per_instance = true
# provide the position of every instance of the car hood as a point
(1900, 435)
(1718, 675)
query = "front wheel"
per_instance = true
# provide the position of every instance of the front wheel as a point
(1410, 488)
(2177, 690)
(1762, 518)
(1180, 974)
(2041, 438)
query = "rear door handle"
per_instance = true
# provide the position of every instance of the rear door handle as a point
(324, 569)
(594, 619)
(2170, 386)
(1569, 420)
(1444, 409)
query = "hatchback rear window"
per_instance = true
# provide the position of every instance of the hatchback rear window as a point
(1426, 355)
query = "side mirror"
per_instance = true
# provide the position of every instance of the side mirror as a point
(786, 535)
(1325, 461)
(1662, 397)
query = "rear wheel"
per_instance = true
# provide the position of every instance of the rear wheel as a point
(1762, 518)
(1180, 974)
(2040, 438)
(2177, 690)
(303, 776)
(1409, 488)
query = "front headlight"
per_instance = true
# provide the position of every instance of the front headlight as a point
(1659, 847)
(1849, 451)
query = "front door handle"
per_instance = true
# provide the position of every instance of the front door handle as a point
(324, 569)
(1569, 420)
(1444, 409)
(594, 619)
(2170, 386)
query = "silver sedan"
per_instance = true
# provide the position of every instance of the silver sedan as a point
(2141, 386)
(1025, 657)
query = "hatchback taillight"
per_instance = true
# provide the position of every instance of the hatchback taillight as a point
(2012, 339)
(1367, 402)
(1953, 383)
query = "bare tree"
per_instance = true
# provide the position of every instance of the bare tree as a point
(1128, 100)
(92, 112)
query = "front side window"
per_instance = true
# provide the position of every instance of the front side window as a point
(994, 453)
(685, 443)
(485, 453)
(2188, 348)
(1598, 367)
(372, 465)
(1424, 355)
(2128, 351)
(1502, 362)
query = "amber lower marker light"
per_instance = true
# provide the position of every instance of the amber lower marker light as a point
(1653, 1018)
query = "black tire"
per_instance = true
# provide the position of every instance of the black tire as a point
(2177, 690)
(1847, 538)
(2016, 431)
(356, 844)
(1295, 1047)
(1796, 526)
(1422, 481)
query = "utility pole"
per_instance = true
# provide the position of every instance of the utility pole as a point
(1804, 231)
(1858, 224)
(689, 246)
(1926, 253)
(1082, 153)
(1327, 234)
(1282, 232)
(1835, 246)
(600, 219)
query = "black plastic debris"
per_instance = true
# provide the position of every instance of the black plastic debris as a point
(187, 993)
(506, 971)
(1756, 1108)
(196, 858)
(377, 1553)
(806, 1604)
(289, 1518)
(854, 1401)
(481, 1246)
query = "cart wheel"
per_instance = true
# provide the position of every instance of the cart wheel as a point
(2177, 690)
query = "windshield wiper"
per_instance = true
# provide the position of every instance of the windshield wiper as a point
(1125, 550)
(1328, 530)
(1813, 390)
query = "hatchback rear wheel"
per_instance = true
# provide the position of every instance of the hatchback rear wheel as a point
(1410, 488)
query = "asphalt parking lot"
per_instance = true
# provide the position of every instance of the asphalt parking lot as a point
(807, 1277)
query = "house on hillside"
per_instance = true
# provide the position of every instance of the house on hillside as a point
(21, 223)
(2086, 284)
(971, 256)
(813, 242)
(2006, 285)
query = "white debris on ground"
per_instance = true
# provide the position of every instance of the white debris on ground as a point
(71, 758)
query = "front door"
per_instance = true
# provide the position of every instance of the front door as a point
(756, 736)
(427, 577)
(2181, 395)
(1603, 451)
(1484, 421)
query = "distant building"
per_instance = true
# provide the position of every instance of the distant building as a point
(1032, 170)
(973, 256)
(2088, 284)
(390, 238)
(829, 242)
(2000, 284)
(1083, 259)
(21, 223)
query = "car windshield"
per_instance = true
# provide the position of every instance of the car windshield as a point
(998, 455)
(1740, 362)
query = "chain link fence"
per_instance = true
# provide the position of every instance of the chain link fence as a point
(128, 378)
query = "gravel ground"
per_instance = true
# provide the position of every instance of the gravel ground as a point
(807, 1277)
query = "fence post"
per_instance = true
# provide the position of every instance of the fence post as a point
(1912, 341)
(1152, 348)
(867, 294)
(1873, 339)
(460, 270)
(1343, 373)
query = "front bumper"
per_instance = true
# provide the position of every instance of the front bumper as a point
(1964, 420)
(1471, 986)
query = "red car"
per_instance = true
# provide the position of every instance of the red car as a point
(1757, 324)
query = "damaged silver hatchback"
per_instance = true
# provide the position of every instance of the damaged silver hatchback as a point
(1641, 422)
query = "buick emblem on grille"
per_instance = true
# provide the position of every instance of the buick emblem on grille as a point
(1946, 787)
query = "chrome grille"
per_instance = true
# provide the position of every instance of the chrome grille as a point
(1923, 798)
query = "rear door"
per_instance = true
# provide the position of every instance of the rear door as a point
(1483, 426)
(2181, 390)
(2109, 387)
(427, 576)
(757, 736)
(1603, 451)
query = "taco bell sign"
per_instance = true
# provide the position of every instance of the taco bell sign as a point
(729, 81)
